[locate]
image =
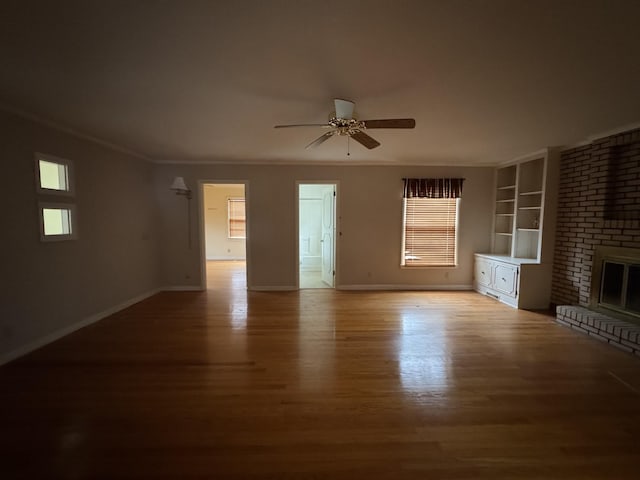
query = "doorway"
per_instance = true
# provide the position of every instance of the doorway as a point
(225, 235)
(316, 235)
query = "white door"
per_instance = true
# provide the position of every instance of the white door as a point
(328, 235)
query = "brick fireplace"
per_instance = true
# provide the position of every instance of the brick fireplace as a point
(598, 210)
(598, 205)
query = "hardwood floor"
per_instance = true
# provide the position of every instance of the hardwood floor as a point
(321, 384)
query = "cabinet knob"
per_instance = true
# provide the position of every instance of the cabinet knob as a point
(504, 279)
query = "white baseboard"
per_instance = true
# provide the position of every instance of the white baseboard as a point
(63, 332)
(277, 288)
(406, 287)
(220, 259)
(286, 288)
(182, 288)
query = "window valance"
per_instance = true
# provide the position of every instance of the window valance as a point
(432, 187)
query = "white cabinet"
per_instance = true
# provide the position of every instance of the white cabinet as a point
(519, 282)
(505, 278)
(483, 272)
(518, 269)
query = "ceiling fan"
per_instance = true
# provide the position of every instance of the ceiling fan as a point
(343, 122)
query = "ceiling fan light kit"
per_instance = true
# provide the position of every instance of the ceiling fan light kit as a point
(343, 123)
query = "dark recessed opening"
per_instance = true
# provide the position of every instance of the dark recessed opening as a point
(633, 289)
(612, 281)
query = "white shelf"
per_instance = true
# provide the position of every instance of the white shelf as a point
(519, 270)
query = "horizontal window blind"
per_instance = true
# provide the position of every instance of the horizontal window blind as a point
(430, 231)
(237, 218)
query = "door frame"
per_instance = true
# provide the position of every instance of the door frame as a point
(202, 227)
(337, 227)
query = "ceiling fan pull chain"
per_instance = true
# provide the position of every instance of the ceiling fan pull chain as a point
(348, 140)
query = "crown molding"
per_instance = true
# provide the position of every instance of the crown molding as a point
(614, 131)
(73, 132)
(608, 133)
(323, 163)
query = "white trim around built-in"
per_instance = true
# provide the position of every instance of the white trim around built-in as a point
(63, 332)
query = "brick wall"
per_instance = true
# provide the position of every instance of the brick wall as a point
(598, 204)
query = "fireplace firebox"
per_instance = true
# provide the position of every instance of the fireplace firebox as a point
(615, 283)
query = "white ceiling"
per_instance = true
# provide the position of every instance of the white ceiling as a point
(486, 80)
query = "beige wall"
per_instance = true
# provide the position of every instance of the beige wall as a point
(132, 231)
(370, 219)
(50, 287)
(218, 244)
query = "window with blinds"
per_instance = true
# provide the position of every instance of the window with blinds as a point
(430, 228)
(237, 218)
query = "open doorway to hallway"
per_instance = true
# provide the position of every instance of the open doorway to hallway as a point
(316, 235)
(225, 235)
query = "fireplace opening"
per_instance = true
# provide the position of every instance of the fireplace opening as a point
(620, 287)
(633, 289)
(616, 282)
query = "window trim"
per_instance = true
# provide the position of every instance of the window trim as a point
(229, 201)
(74, 221)
(455, 265)
(68, 164)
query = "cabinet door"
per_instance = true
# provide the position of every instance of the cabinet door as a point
(505, 278)
(483, 272)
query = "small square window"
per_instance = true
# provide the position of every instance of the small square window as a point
(53, 175)
(57, 222)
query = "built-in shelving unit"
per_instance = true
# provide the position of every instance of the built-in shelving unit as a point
(518, 269)
(505, 209)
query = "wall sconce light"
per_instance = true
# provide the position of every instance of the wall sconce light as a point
(180, 188)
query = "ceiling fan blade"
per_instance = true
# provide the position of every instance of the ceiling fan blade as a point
(344, 108)
(325, 125)
(391, 123)
(365, 139)
(321, 139)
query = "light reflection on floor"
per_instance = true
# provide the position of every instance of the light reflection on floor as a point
(422, 354)
(230, 277)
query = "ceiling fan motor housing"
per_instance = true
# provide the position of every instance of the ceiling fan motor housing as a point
(343, 122)
(346, 127)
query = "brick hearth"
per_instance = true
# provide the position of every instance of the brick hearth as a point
(620, 334)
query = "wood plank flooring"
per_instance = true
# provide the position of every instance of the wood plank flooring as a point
(321, 384)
